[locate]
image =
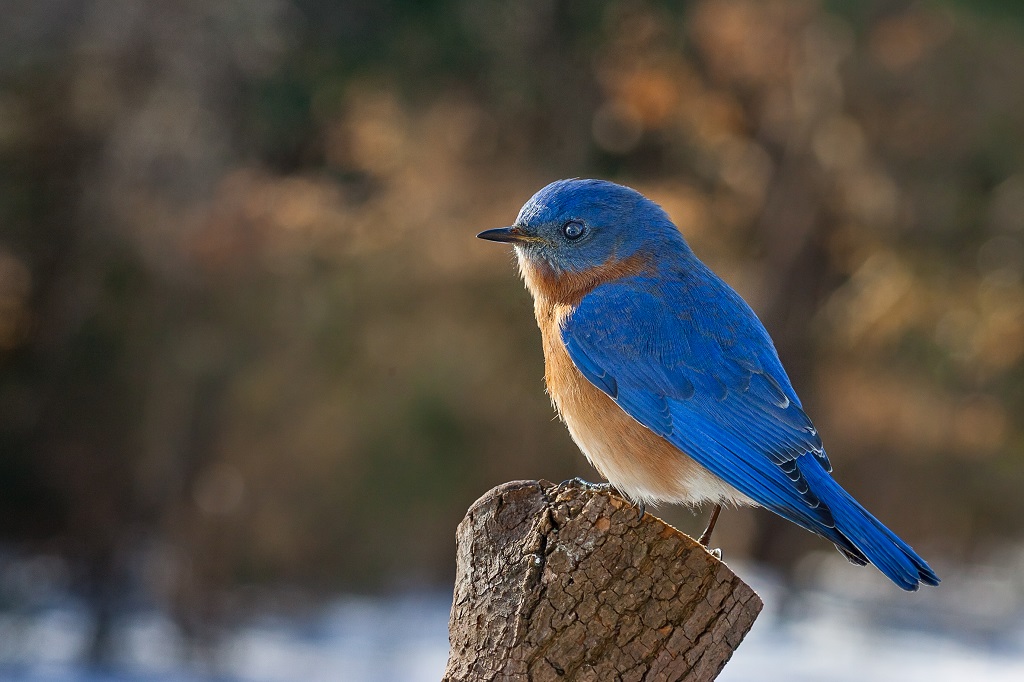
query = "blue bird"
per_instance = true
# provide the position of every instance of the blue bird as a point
(666, 379)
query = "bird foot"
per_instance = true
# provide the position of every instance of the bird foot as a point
(716, 552)
(577, 482)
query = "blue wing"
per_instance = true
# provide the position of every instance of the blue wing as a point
(703, 375)
(686, 357)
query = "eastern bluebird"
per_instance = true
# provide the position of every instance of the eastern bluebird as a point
(666, 379)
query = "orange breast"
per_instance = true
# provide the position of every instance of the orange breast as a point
(637, 461)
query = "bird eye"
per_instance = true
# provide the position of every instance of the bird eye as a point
(573, 230)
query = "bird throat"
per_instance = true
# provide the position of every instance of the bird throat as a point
(551, 287)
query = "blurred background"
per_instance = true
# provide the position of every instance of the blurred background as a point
(254, 366)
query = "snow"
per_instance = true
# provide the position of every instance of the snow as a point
(849, 626)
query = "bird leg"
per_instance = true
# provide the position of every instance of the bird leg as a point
(705, 537)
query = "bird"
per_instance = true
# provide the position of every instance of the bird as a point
(667, 380)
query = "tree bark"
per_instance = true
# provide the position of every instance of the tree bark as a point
(571, 584)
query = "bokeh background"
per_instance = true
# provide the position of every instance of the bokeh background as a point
(251, 355)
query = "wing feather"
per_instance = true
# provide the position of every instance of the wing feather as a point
(692, 363)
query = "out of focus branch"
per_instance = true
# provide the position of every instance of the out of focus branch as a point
(571, 584)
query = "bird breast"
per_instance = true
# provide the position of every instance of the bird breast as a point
(634, 459)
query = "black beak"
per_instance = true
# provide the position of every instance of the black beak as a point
(511, 235)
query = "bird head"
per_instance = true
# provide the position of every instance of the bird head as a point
(572, 226)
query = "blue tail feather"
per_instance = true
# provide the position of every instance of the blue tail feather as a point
(891, 555)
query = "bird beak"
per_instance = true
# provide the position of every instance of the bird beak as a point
(510, 235)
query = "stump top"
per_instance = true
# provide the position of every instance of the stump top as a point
(567, 583)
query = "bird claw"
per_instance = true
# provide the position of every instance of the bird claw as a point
(578, 482)
(716, 552)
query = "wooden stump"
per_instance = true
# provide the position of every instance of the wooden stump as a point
(570, 584)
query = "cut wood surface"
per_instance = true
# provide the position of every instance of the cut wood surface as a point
(566, 583)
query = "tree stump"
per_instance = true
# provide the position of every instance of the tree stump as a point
(571, 584)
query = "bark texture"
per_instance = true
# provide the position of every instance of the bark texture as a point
(570, 584)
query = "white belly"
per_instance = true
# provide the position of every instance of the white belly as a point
(667, 476)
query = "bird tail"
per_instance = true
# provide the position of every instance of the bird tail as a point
(879, 545)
